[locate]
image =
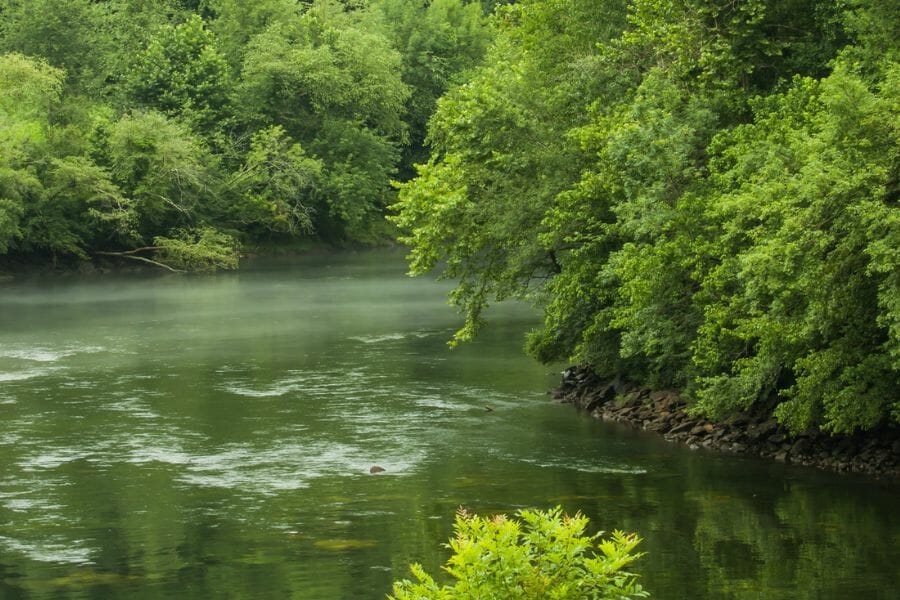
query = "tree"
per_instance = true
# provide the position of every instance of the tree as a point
(278, 185)
(332, 83)
(705, 199)
(439, 42)
(500, 155)
(29, 88)
(182, 73)
(65, 33)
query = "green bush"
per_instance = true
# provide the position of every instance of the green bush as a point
(544, 556)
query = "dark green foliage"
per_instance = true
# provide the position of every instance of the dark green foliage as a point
(707, 198)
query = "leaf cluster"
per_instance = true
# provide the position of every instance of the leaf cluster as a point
(540, 555)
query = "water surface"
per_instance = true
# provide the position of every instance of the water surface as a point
(211, 437)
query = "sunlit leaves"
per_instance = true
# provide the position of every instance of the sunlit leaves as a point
(541, 555)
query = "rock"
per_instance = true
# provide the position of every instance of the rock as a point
(601, 396)
(658, 426)
(683, 427)
(699, 430)
(376, 469)
(663, 412)
(658, 396)
(764, 429)
(738, 420)
(801, 446)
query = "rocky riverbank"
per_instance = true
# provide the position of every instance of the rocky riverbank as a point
(755, 433)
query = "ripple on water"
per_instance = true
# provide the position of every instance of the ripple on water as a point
(22, 375)
(391, 337)
(72, 552)
(312, 383)
(30, 362)
(53, 459)
(290, 466)
(45, 354)
(586, 466)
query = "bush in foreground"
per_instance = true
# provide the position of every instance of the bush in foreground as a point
(544, 556)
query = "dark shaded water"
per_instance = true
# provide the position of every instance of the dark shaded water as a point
(212, 437)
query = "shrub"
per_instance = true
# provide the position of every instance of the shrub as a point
(544, 556)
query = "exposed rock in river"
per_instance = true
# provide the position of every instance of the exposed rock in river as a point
(876, 452)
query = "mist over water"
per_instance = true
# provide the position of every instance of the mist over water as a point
(212, 436)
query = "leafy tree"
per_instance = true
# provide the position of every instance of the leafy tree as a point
(65, 33)
(182, 73)
(278, 185)
(333, 84)
(546, 555)
(802, 259)
(163, 167)
(235, 22)
(705, 199)
(439, 42)
(29, 88)
(200, 249)
(500, 157)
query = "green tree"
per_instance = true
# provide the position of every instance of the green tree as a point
(163, 167)
(65, 33)
(439, 42)
(29, 88)
(333, 84)
(182, 73)
(277, 186)
(706, 198)
(501, 155)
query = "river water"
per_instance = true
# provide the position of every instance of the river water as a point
(211, 437)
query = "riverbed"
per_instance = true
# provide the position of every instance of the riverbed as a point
(212, 437)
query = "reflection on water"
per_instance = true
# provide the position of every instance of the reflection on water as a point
(212, 436)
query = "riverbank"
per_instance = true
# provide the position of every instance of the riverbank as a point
(755, 433)
(16, 268)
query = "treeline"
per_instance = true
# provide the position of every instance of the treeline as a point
(174, 130)
(699, 194)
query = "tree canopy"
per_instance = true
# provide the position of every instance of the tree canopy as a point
(697, 195)
(215, 123)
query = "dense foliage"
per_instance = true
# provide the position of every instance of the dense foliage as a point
(701, 195)
(545, 556)
(171, 131)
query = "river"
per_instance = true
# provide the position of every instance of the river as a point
(174, 436)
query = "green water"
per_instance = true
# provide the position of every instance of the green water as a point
(211, 437)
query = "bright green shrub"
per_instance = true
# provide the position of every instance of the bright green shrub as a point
(544, 556)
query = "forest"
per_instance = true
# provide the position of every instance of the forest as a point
(173, 132)
(699, 195)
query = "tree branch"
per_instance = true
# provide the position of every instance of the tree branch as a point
(130, 254)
